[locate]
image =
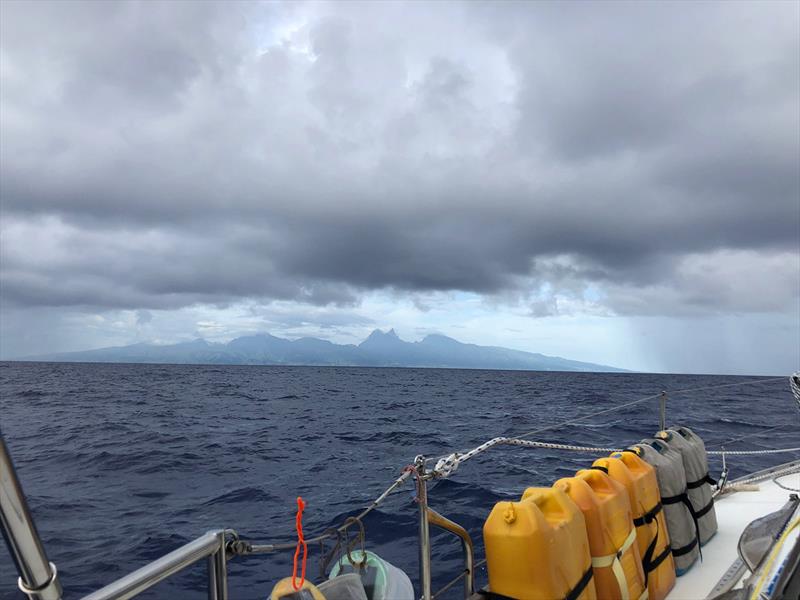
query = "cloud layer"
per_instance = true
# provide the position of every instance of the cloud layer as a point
(643, 157)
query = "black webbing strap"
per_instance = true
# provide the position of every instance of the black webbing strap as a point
(705, 479)
(656, 562)
(702, 512)
(603, 469)
(647, 559)
(649, 516)
(684, 498)
(576, 592)
(573, 594)
(494, 595)
(684, 549)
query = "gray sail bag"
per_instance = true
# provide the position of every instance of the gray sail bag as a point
(698, 481)
(671, 478)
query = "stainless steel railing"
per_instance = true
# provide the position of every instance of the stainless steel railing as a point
(467, 549)
(38, 577)
(428, 517)
(424, 529)
(212, 546)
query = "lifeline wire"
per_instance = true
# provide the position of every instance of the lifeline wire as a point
(753, 434)
(645, 399)
(447, 465)
(469, 454)
(489, 444)
(456, 458)
(246, 548)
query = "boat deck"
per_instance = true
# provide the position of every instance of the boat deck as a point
(734, 512)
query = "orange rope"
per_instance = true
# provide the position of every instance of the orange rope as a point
(301, 542)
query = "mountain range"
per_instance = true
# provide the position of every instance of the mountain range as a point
(380, 349)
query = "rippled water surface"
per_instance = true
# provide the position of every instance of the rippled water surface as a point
(122, 463)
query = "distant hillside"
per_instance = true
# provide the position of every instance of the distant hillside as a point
(380, 349)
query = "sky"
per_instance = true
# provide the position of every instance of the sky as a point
(610, 182)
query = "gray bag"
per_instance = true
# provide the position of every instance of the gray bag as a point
(343, 587)
(671, 478)
(698, 481)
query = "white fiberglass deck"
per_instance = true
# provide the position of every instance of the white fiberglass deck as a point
(734, 512)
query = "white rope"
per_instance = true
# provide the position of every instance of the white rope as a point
(554, 446)
(448, 465)
(444, 467)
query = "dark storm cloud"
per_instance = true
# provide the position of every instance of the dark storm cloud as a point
(159, 155)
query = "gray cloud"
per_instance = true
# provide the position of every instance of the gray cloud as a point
(156, 156)
(143, 317)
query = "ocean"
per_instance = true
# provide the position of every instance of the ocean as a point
(123, 463)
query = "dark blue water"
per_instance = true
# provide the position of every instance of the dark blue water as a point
(122, 463)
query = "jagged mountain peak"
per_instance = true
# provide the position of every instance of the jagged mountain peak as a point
(381, 348)
(379, 333)
(379, 336)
